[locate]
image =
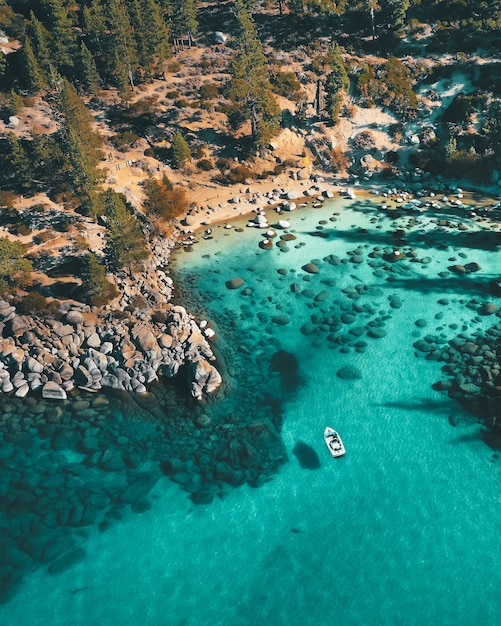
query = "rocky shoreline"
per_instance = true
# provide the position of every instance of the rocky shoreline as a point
(90, 351)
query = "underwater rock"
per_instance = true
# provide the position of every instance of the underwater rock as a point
(349, 372)
(488, 308)
(311, 268)
(234, 283)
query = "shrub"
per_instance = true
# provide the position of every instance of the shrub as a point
(205, 165)
(20, 229)
(364, 141)
(34, 302)
(124, 141)
(339, 160)
(286, 84)
(240, 174)
(173, 67)
(209, 91)
(44, 236)
(164, 200)
(7, 199)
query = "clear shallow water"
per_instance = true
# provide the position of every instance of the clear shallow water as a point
(402, 530)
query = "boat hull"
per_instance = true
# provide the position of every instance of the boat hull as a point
(333, 442)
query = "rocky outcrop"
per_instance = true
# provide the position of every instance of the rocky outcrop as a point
(110, 349)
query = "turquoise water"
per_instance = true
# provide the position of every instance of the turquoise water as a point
(402, 530)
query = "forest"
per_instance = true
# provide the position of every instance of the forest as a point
(78, 63)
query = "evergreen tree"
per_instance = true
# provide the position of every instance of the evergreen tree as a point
(16, 102)
(337, 83)
(183, 15)
(181, 152)
(396, 12)
(46, 158)
(89, 78)
(126, 244)
(120, 46)
(33, 77)
(151, 33)
(19, 163)
(97, 289)
(40, 39)
(95, 28)
(81, 146)
(250, 87)
(63, 33)
(77, 116)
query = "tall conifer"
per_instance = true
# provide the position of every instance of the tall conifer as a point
(250, 86)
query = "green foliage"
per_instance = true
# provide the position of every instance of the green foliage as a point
(250, 87)
(390, 85)
(150, 32)
(183, 16)
(492, 127)
(209, 91)
(164, 200)
(81, 145)
(337, 83)
(240, 174)
(205, 165)
(97, 289)
(124, 141)
(287, 85)
(89, 77)
(126, 244)
(19, 164)
(34, 302)
(32, 76)
(16, 102)
(181, 152)
(15, 269)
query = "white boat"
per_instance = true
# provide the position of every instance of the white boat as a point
(333, 442)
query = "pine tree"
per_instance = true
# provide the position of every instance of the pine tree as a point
(19, 163)
(181, 152)
(97, 289)
(3, 64)
(63, 34)
(40, 39)
(120, 46)
(250, 87)
(90, 79)
(396, 11)
(33, 77)
(183, 14)
(95, 28)
(151, 33)
(81, 146)
(337, 83)
(126, 244)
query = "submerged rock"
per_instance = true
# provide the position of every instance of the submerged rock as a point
(349, 372)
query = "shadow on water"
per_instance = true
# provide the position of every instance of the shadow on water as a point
(422, 404)
(287, 366)
(306, 456)
(441, 239)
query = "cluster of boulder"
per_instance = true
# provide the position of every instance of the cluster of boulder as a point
(473, 367)
(90, 351)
